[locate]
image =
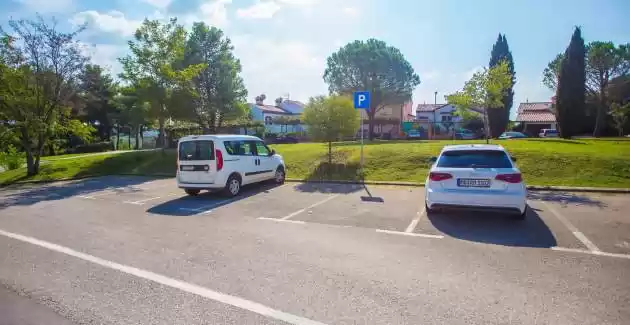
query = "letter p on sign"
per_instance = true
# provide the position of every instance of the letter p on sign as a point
(362, 100)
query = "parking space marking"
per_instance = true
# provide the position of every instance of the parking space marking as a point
(281, 220)
(141, 202)
(191, 288)
(208, 208)
(289, 216)
(414, 223)
(392, 232)
(584, 251)
(576, 232)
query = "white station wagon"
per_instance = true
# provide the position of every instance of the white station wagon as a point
(476, 177)
(225, 162)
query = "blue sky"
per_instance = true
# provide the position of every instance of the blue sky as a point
(283, 44)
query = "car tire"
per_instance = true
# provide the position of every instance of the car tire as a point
(427, 209)
(232, 186)
(192, 192)
(523, 215)
(279, 176)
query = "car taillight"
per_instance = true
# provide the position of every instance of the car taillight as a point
(439, 176)
(509, 178)
(219, 158)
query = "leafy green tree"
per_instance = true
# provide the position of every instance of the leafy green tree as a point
(500, 116)
(375, 67)
(330, 118)
(552, 72)
(619, 114)
(153, 67)
(605, 61)
(219, 91)
(97, 90)
(570, 93)
(485, 89)
(39, 67)
(132, 113)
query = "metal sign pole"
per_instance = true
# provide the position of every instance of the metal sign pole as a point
(362, 147)
(362, 101)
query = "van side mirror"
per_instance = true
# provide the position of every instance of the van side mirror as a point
(273, 152)
(433, 160)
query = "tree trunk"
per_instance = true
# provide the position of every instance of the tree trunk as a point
(161, 133)
(329, 160)
(129, 138)
(30, 166)
(117, 136)
(137, 137)
(371, 114)
(487, 125)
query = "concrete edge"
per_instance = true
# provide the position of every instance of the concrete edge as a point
(368, 182)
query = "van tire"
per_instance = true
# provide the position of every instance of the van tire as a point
(279, 176)
(192, 192)
(232, 186)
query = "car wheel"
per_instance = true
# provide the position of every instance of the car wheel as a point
(279, 176)
(192, 192)
(522, 215)
(232, 186)
(427, 209)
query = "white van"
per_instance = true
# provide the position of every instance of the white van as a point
(225, 162)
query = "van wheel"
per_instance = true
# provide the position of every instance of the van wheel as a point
(232, 186)
(192, 192)
(279, 177)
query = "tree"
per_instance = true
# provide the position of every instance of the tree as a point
(487, 89)
(619, 114)
(570, 93)
(605, 62)
(39, 68)
(219, 89)
(97, 90)
(330, 118)
(552, 72)
(375, 67)
(153, 69)
(499, 117)
(132, 113)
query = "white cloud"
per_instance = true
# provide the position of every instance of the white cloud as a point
(350, 12)
(468, 74)
(111, 22)
(259, 10)
(276, 68)
(105, 55)
(48, 6)
(161, 4)
(213, 13)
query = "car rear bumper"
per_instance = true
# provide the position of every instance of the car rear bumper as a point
(512, 201)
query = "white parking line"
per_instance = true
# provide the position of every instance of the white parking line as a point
(584, 251)
(576, 232)
(280, 220)
(141, 202)
(414, 223)
(392, 232)
(169, 282)
(289, 216)
(208, 208)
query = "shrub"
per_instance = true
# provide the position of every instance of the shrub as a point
(93, 147)
(11, 159)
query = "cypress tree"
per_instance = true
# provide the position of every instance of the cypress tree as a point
(571, 90)
(498, 118)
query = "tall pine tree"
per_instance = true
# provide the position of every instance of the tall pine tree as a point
(499, 118)
(571, 90)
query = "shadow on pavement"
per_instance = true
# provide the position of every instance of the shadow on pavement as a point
(566, 197)
(29, 194)
(493, 228)
(206, 201)
(324, 187)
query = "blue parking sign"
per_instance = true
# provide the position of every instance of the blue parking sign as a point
(362, 100)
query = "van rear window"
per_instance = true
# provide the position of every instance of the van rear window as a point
(474, 159)
(196, 150)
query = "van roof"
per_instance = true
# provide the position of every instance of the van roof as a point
(218, 137)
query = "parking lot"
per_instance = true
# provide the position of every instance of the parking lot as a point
(129, 219)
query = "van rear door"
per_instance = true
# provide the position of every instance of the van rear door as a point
(196, 162)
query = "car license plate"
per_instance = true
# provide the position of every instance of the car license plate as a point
(188, 167)
(473, 182)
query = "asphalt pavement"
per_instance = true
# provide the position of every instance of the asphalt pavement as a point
(133, 250)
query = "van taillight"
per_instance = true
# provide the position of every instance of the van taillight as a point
(439, 176)
(510, 178)
(219, 157)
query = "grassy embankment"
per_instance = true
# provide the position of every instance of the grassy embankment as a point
(588, 162)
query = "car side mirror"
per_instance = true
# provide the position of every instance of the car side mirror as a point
(433, 160)
(513, 158)
(273, 152)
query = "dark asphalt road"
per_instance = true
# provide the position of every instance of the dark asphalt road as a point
(328, 265)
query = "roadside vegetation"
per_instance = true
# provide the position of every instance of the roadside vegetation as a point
(587, 162)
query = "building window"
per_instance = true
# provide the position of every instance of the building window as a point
(268, 120)
(447, 118)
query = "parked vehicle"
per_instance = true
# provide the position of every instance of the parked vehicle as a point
(465, 134)
(512, 135)
(548, 133)
(413, 135)
(225, 162)
(475, 177)
(286, 139)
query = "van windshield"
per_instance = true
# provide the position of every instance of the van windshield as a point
(196, 150)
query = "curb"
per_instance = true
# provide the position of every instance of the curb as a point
(44, 181)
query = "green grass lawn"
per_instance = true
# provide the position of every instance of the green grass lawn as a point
(585, 162)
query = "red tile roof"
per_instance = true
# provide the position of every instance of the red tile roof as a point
(535, 112)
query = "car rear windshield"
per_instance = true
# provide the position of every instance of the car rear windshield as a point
(196, 150)
(474, 159)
